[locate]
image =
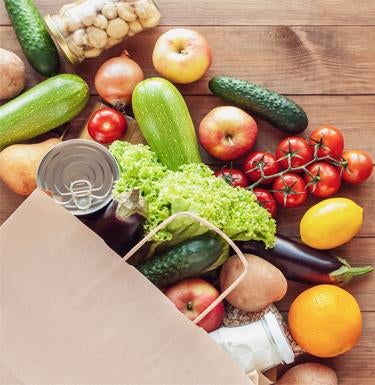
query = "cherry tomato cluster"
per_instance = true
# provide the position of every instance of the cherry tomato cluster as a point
(299, 167)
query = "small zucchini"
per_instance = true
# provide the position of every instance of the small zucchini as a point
(32, 33)
(165, 122)
(276, 109)
(42, 108)
(185, 260)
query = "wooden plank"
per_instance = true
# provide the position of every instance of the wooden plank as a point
(357, 365)
(290, 60)
(249, 12)
(353, 114)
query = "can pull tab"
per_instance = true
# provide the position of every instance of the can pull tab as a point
(81, 191)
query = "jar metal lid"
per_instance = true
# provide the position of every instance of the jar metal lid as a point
(79, 175)
(60, 40)
(281, 341)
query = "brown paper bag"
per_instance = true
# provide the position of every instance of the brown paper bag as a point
(72, 312)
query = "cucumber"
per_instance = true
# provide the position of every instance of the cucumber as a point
(185, 260)
(48, 105)
(32, 33)
(276, 109)
(165, 122)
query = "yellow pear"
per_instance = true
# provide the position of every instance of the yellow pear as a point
(19, 164)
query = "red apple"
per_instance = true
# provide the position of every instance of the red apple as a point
(182, 55)
(227, 132)
(192, 297)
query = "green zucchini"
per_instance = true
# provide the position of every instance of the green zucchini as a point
(48, 105)
(165, 122)
(32, 33)
(185, 260)
(276, 109)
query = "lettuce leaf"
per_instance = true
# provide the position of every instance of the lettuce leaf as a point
(192, 188)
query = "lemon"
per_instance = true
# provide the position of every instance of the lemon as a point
(331, 223)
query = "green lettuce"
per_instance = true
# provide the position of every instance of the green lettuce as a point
(192, 188)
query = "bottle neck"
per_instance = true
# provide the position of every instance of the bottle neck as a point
(277, 338)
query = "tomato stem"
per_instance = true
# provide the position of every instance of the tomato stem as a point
(327, 158)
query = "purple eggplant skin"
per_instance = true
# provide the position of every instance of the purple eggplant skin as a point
(122, 224)
(302, 263)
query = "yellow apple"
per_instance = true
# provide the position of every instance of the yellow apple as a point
(182, 55)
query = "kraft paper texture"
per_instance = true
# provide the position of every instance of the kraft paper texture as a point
(73, 312)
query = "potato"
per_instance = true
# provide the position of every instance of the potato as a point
(262, 285)
(12, 74)
(309, 374)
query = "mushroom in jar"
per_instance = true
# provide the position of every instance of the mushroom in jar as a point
(101, 22)
(117, 28)
(143, 9)
(88, 20)
(151, 21)
(97, 38)
(97, 4)
(126, 12)
(79, 37)
(135, 26)
(109, 10)
(72, 23)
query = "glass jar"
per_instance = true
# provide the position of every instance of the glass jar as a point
(85, 28)
(260, 345)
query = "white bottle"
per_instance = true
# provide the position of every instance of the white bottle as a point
(260, 345)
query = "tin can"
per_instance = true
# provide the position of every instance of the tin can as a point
(79, 175)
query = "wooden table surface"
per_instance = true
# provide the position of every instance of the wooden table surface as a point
(321, 53)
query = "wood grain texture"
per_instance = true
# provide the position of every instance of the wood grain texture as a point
(290, 60)
(321, 54)
(250, 12)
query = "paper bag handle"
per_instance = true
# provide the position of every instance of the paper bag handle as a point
(211, 227)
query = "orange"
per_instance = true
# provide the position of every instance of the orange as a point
(325, 320)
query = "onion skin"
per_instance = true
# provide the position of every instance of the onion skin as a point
(116, 79)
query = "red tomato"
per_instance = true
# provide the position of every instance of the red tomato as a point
(296, 149)
(358, 166)
(232, 176)
(324, 181)
(289, 190)
(258, 160)
(107, 125)
(266, 200)
(330, 140)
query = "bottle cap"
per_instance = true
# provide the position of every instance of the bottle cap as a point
(279, 338)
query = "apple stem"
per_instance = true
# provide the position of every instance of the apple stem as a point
(229, 139)
(189, 305)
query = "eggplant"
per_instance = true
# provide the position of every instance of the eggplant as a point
(121, 224)
(302, 263)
